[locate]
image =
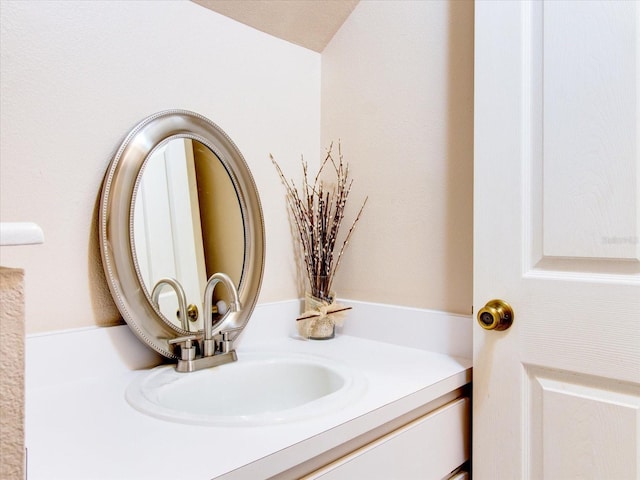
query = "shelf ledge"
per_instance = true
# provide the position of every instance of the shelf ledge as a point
(20, 233)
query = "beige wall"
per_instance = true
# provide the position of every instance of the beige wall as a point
(77, 75)
(222, 226)
(397, 88)
(397, 84)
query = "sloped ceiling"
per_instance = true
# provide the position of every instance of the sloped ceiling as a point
(308, 23)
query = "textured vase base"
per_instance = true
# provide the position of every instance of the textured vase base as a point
(321, 327)
(323, 335)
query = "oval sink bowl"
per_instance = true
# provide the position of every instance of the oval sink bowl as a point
(260, 388)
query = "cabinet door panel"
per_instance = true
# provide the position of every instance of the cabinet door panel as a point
(430, 447)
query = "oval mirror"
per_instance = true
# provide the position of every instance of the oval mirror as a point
(178, 205)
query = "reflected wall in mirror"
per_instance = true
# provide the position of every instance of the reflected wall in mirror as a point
(187, 226)
(179, 204)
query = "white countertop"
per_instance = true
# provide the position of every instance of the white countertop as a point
(82, 427)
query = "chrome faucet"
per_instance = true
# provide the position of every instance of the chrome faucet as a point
(211, 356)
(209, 346)
(182, 298)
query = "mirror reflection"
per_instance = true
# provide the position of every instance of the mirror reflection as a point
(187, 225)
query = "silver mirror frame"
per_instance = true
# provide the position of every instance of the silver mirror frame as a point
(116, 224)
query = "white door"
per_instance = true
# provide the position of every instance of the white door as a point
(557, 228)
(167, 226)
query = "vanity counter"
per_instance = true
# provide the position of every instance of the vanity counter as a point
(80, 426)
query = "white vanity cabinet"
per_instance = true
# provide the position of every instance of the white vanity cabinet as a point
(432, 446)
(410, 421)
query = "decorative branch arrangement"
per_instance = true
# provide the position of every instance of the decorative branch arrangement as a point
(317, 212)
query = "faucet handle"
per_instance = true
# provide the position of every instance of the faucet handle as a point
(225, 343)
(187, 349)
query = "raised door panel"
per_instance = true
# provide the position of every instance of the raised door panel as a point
(590, 148)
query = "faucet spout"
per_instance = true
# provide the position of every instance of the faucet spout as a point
(234, 306)
(182, 298)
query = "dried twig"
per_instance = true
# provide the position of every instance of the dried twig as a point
(317, 213)
(307, 317)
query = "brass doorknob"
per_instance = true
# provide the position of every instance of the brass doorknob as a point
(495, 315)
(192, 312)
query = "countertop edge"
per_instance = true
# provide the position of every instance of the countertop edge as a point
(391, 415)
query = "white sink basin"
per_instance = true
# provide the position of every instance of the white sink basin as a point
(260, 388)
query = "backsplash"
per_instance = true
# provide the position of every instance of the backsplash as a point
(116, 349)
